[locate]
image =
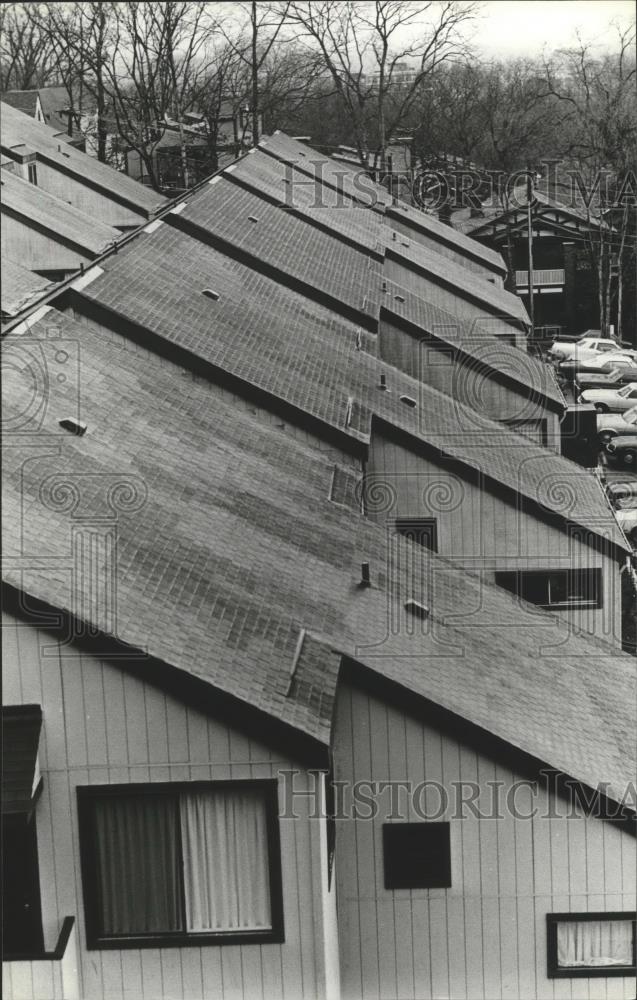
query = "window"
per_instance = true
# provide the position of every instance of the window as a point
(177, 864)
(33, 173)
(422, 530)
(590, 944)
(417, 855)
(560, 588)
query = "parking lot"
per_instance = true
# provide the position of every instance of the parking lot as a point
(613, 471)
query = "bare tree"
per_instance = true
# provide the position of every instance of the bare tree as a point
(365, 48)
(598, 93)
(27, 58)
(251, 32)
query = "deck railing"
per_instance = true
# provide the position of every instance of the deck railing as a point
(541, 278)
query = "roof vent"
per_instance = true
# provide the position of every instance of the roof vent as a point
(382, 382)
(210, 294)
(399, 298)
(252, 218)
(365, 580)
(349, 410)
(417, 609)
(408, 401)
(73, 426)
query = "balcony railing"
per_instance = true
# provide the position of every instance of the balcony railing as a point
(541, 278)
(53, 974)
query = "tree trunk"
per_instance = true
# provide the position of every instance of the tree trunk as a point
(255, 78)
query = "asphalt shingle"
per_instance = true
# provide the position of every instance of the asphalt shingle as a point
(297, 350)
(228, 544)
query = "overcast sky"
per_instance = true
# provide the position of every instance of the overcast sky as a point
(517, 27)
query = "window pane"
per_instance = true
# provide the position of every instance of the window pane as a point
(594, 943)
(137, 864)
(225, 851)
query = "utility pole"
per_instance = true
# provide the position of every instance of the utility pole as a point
(529, 226)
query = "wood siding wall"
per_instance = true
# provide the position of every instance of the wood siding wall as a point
(37, 251)
(95, 203)
(436, 246)
(464, 379)
(487, 317)
(485, 937)
(102, 726)
(485, 532)
(44, 980)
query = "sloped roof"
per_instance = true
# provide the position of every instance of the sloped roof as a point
(280, 238)
(61, 222)
(19, 287)
(299, 351)
(567, 213)
(22, 100)
(54, 100)
(223, 212)
(467, 285)
(330, 209)
(228, 545)
(353, 184)
(446, 237)
(18, 130)
(327, 261)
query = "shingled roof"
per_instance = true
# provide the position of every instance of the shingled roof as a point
(229, 544)
(300, 352)
(25, 101)
(373, 233)
(355, 184)
(308, 247)
(19, 287)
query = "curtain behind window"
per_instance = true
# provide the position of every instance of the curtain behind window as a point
(226, 871)
(137, 859)
(590, 943)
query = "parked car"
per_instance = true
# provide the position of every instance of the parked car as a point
(610, 425)
(560, 350)
(622, 494)
(594, 364)
(614, 379)
(611, 400)
(623, 451)
(628, 522)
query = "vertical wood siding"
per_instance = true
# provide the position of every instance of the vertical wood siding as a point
(417, 236)
(43, 980)
(464, 380)
(93, 202)
(485, 532)
(102, 726)
(35, 250)
(485, 937)
(450, 300)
